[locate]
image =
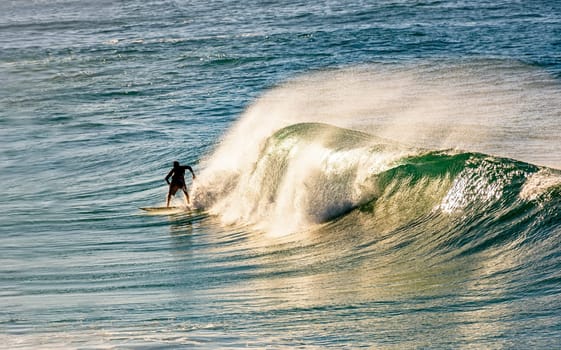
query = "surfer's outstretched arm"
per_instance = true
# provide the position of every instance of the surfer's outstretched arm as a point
(191, 170)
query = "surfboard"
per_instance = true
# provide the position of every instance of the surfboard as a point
(164, 210)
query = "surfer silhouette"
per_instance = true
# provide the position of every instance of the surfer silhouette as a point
(177, 175)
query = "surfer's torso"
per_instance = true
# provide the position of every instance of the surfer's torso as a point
(178, 176)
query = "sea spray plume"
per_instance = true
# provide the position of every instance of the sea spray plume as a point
(463, 106)
(475, 106)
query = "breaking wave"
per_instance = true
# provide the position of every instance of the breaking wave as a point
(312, 173)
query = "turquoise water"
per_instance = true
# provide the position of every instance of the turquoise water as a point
(369, 174)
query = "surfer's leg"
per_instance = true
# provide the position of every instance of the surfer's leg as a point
(171, 192)
(168, 198)
(187, 201)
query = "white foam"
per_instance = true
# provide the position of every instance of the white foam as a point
(538, 183)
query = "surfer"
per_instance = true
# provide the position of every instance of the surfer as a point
(177, 175)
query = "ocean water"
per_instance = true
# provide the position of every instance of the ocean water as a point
(370, 174)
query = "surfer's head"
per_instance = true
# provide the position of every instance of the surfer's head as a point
(175, 164)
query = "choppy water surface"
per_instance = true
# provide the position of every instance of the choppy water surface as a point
(368, 175)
